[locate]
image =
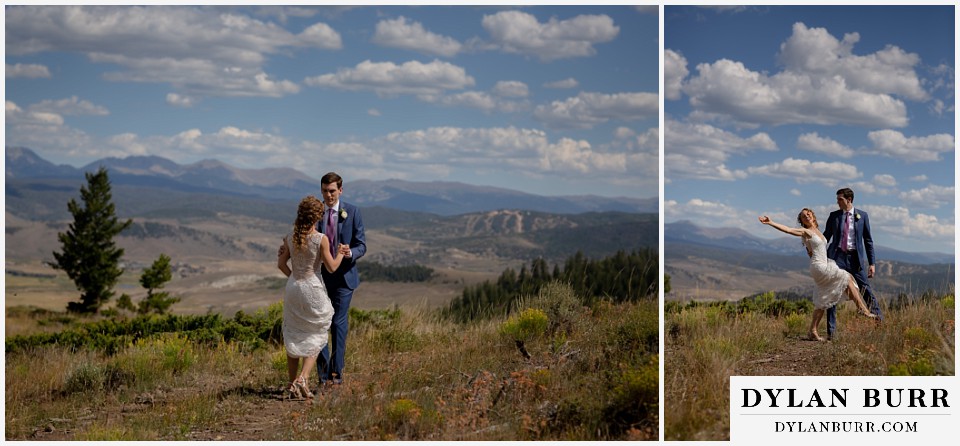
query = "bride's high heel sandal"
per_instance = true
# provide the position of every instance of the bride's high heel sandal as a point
(301, 385)
(293, 392)
(814, 337)
(866, 314)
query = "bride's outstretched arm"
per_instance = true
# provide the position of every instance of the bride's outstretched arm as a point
(792, 231)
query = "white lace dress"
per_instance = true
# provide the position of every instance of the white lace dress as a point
(307, 311)
(830, 279)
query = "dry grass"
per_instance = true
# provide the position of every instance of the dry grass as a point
(412, 378)
(704, 347)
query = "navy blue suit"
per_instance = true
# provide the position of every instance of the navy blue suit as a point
(852, 261)
(340, 286)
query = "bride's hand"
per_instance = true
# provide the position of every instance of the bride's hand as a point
(764, 219)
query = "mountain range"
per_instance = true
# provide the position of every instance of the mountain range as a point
(734, 239)
(218, 178)
(730, 263)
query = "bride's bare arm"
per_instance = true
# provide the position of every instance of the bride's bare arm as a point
(792, 231)
(282, 256)
(329, 262)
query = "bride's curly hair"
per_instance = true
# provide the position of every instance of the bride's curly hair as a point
(309, 213)
(813, 214)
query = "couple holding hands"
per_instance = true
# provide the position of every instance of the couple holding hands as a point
(322, 251)
(837, 260)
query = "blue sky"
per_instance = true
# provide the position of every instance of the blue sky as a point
(549, 100)
(771, 109)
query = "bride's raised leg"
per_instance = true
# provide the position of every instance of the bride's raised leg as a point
(853, 292)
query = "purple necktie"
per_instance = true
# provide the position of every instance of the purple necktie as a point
(332, 232)
(846, 231)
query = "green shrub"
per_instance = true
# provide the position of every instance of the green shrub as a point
(528, 324)
(90, 377)
(403, 411)
(560, 304)
(639, 330)
(397, 338)
(635, 395)
(178, 354)
(797, 324)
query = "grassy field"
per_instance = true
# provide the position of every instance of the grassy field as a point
(705, 344)
(591, 375)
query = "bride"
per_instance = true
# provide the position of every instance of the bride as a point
(307, 311)
(832, 282)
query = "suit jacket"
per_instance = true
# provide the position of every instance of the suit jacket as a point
(861, 236)
(350, 231)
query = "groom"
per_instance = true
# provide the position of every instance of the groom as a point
(343, 226)
(848, 231)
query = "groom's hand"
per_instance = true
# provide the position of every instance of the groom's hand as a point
(345, 250)
(870, 271)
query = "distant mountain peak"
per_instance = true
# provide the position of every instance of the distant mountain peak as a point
(215, 176)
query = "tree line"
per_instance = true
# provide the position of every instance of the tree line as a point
(622, 277)
(378, 272)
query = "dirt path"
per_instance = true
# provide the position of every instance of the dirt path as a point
(798, 357)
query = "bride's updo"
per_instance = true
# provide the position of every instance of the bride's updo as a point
(812, 214)
(308, 213)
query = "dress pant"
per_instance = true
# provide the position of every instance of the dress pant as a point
(330, 360)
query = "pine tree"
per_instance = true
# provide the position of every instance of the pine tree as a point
(154, 278)
(90, 257)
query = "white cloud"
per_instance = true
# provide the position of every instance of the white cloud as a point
(898, 220)
(178, 100)
(388, 79)
(912, 149)
(321, 35)
(885, 180)
(813, 142)
(19, 117)
(283, 13)
(624, 133)
(521, 33)
(674, 72)
(822, 82)
(919, 178)
(373, 112)
(704, 212)
(398, 33)
(932, 196)
(471, 99)
(727, 89)
(72, 106)
(815, 52)
(511, 89)
(700, 150)
(198, 51)
(804, 171)
(796, 192)
(589, 109)
(563, 84)
(27, 70)
(526, 151)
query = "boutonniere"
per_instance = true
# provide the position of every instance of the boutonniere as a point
(343, 214)
(856, 216)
